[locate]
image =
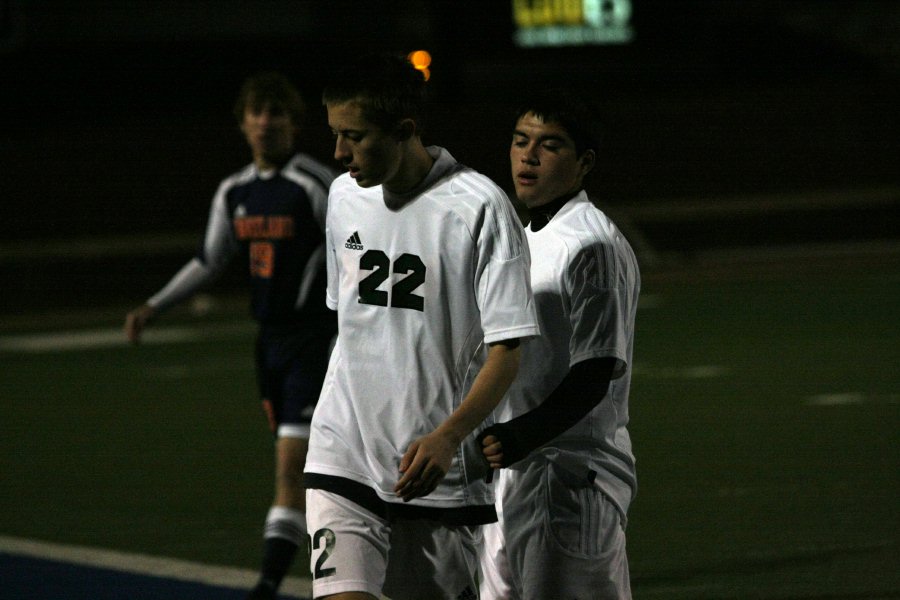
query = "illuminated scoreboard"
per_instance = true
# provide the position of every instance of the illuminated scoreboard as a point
(571, 22)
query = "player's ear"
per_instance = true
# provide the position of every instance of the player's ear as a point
(588, 159)
(406, 129)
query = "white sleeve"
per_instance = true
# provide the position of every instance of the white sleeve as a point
(190, 278)
(331, 290)
(219, 242)
(219, 246)
(597, 314)
(504, 277)
(315, 179)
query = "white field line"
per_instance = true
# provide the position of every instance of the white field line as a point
(143, 564)
(692, 372)
(849, 398)
(112, 337)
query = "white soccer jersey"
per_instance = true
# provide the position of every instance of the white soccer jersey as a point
(421, 284)
(586, 283)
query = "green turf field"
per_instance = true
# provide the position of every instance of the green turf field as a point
(765, 418)
(766, 422)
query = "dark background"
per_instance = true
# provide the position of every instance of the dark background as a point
(116, 116)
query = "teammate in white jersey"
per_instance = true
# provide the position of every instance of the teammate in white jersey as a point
(567, 470)
(428, 272)
(272, 214)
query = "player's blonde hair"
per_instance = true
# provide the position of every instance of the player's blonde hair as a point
(270, 88)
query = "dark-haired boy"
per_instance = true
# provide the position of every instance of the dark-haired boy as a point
(567, 471)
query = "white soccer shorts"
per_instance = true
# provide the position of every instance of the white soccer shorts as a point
(355, 550)
(557, 538)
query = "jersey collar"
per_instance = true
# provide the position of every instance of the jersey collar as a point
(539, 216)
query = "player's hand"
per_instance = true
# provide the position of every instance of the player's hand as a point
(424, 465)
(492, 449)
(501, 446)
(136, 321)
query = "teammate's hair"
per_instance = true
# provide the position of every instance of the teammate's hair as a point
(387, 86)
(565, 108)
(270, 88)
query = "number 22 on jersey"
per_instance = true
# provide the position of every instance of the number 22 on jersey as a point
(401, 293)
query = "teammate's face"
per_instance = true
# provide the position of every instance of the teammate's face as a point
(270, 133)
(371, 155)
(545, 165)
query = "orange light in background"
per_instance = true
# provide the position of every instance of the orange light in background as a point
(421, 60)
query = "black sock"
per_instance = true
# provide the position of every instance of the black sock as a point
(278, 554)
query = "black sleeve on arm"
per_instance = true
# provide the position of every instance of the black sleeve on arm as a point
(582, 389)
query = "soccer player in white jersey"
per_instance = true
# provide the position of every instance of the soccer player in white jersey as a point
(567, 470)
(428, 272)
(272, 213)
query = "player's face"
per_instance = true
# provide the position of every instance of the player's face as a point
(368, 152)
(545, 165)
(270, 133)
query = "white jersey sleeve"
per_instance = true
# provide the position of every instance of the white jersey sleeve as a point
(331, 265)
(598, 279)
(191, 278)
(218, 248)
(315, 179)
(503, 278)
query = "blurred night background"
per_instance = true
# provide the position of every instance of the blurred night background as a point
(751, 154)
(752, 123)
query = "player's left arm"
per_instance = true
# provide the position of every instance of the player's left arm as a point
(583, 388)
(428, 459)
(592, 286)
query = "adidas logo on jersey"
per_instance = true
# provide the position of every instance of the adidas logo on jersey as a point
(353, 242)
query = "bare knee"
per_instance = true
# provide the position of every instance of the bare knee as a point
(289, 463)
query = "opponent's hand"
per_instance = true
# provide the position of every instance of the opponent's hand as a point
(136, 321)
(424, 465)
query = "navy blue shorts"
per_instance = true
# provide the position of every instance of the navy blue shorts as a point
(290, 367)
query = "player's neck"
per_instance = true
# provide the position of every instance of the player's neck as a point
(270, 163)
(414, 168)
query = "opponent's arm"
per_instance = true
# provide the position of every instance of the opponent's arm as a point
(428, 459)
(216, 251)
(136, 320)
(190, 278)
(579, 392)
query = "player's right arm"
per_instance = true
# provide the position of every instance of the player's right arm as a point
(428, 458)
(137, 320)
(219, 245)
(192, 277)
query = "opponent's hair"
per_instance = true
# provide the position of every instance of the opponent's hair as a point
(387, 86)
(567, 109)
(270, 88)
